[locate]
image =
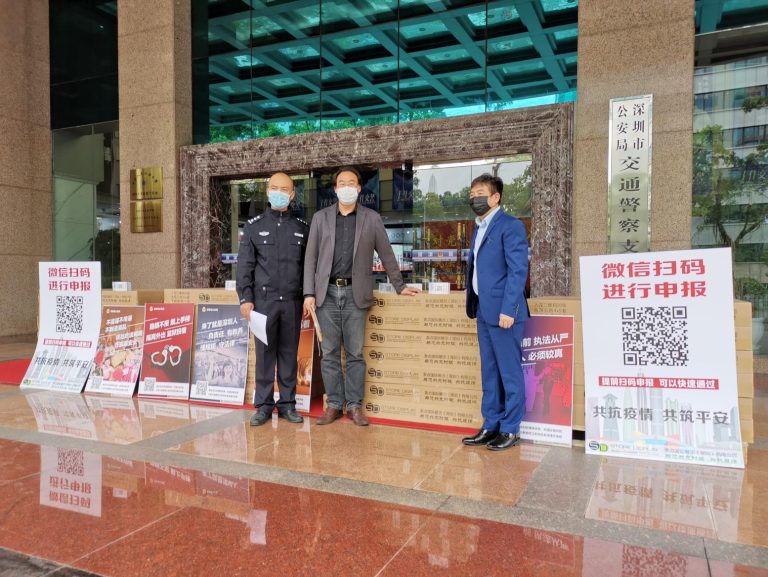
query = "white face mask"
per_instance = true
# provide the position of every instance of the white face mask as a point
(278, 199)
(347, 194)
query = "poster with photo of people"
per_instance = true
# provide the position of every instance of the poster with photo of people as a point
(221, 355)
(119, 352)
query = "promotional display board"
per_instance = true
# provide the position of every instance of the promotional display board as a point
(221, 355)
(305, 359)
(308, 373)
(548, 372)
(118, 356)
(660, 357)
(70, 314)
(167, 351)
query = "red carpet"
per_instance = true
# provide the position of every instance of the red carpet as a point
(11, 372)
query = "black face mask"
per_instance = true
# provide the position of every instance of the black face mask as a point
(479, 205)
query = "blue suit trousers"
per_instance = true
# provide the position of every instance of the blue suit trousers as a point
(503, 405)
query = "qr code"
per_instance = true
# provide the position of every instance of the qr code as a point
(70, 462)
(149, 385)
(69, 314)
(201, 389)
(655, 336)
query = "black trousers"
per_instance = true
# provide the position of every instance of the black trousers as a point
(283, 331)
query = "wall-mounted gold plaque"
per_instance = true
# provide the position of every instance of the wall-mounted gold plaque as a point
(147, 216)
(147, 183)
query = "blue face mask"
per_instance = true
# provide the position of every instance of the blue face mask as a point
(278, 200)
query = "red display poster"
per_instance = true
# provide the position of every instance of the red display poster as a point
(167, 351)
(548, 370)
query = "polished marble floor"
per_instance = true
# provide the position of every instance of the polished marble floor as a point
(91, 485)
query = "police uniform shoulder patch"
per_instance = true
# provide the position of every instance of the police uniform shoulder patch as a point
(255, 219)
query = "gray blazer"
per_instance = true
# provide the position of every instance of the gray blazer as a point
(370, 235)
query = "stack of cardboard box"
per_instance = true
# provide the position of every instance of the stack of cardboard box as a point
(745, 375)
(128, 298)
(213, 296)
(423, 360)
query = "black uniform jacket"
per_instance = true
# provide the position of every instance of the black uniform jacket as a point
(270, 262)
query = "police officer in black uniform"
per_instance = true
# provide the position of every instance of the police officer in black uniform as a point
(270, 267)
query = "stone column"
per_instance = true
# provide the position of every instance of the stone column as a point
(629, 48)
(25, 160)
(155, 89)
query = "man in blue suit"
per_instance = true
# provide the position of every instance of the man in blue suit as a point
(496, 274)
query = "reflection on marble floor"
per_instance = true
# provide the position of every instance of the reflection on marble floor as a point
(119, 516)
(709, 502)
(111, 419)
(408, 458)
(129, 518)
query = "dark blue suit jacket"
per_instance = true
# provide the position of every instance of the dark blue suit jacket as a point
(502, 271)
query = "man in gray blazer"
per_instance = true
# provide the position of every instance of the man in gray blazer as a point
(338, 285)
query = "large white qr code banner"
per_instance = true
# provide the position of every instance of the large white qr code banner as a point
(660, 357)
(70, 315)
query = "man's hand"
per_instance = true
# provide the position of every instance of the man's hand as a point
(309, 305)
(506, 322)
(409, 292)
(245, 310)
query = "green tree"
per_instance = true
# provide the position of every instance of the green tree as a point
(730, 197)
(516, 199)
(248, 130)
(728, 189)
(754, 102)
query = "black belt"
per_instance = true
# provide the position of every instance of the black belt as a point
(341, 282)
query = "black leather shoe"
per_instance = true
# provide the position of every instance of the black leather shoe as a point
(503, 441)
(260, 417)
(483, 437)
(291, 416)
